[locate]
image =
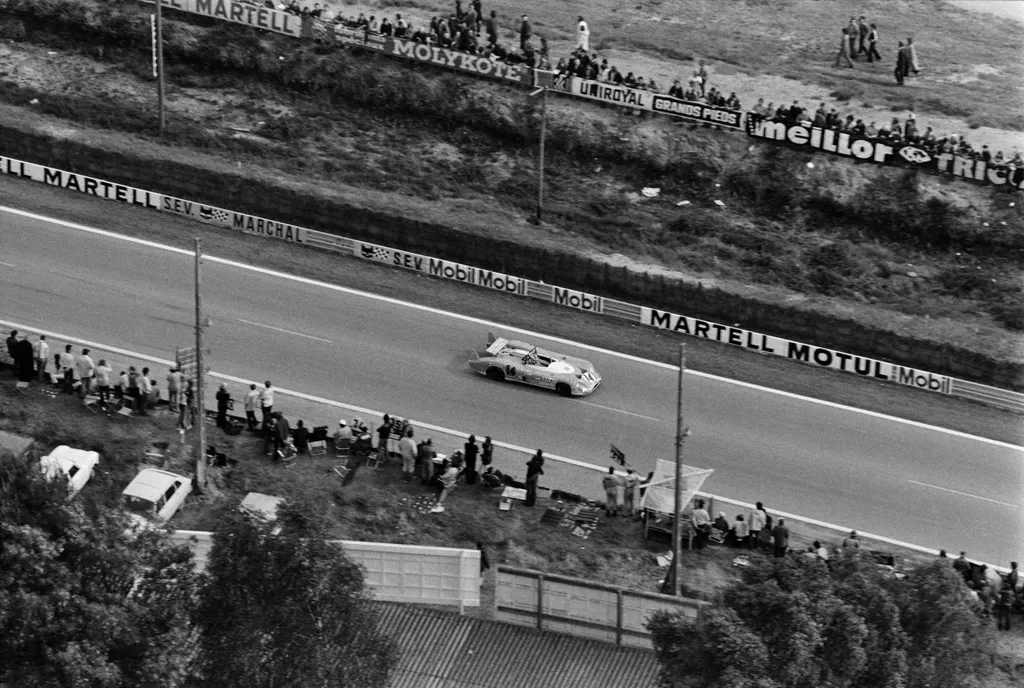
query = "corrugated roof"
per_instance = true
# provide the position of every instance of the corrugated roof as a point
(445, 650)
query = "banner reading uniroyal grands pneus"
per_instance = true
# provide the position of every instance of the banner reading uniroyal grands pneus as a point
(241, 13)
(882, 152)
(650, 102)
(489, 279)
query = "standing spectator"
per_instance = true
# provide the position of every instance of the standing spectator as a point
(133, 388)
(485, 563)
(471, 451)
(632, 484)
(86, 368)
(525, 31)
(758, 522)
(821, 553)
(449, 475)
(740, 531)
(121, 391)
(582, 35)
(862, 33)
(103, 372)
(873, 45)
(486, 452)
(282, 432)
(780, 535)
(41, 351)
(851, 542)
(702, 523)
(610, 483)
(145, 390)
(963, 567)
(175, 378)
(534, 470)
(267, 401)
(844, 48)
(223, 402)
(67, 362)
(407, 448)
(912, 63)
(301, 436)
(1003, 609)
(383, 435)
(25, 360)
(425, 460)
(12, 350)
(901, 64)
(251, 400)
(853, 32)
(492, 29)
(186, 405)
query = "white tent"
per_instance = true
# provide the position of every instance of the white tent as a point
(660, 493)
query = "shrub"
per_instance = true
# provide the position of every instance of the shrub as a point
(1010, 313)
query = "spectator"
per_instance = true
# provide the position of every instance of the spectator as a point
(372, 25)
(486, 452)
(343, 435)
(1013, 577)
(629, 492)
(629, 81)
(851, 541)
(67, 363)
(385, 27)
(251, 400)
(400, 26)
(223, 401)
(820, 552)
(733, 103)
(492, 29)
(282, 433)
(447, 479)
(133, 388)
(301, 437)
(174, 380)
(425, 459)
(383, 435)
(873, 45)
(759, 108)
(721, 523)
(871, 131)
(853, 32)
(758, 522)
(614, 76)
(534, 470)
(862, 33)
(702, 76)
(702, 523)
(677, 90)
(780, 536)
(317, 11)
(407, 448)
(145, 392)
(1004, 609)
(85, 366)
(41, 352)
(186, 403)
(582, 35)
(963, 567)
(122, 384)
(267, 401)
(902, 66)
(610, 483)
(471, 452)
(525, 31)
(103, 380)
(492, 477)
(740, 531)
(844, 48)
(912, 63)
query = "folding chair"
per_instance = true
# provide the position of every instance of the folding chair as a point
(342, 448)
(21, 387)
(717, 536)
(93, 403)
(317, 448)
(374, 458)
(342, 470)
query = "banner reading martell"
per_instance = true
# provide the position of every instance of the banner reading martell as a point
(241, 13)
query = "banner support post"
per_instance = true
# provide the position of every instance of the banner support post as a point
(159, 49)
(681, 435)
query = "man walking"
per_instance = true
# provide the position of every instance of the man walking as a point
(251, 400)
(873, 45)
(267, 402)
(582, 35)
(492, 29)
(781, 537)
(862, 32)
(611, 483)
(41, 352)
(844, 48)
(901, 64)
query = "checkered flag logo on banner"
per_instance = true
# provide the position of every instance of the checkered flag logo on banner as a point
(376, 253)
(214, 214)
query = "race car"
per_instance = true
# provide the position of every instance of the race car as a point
(522, 362)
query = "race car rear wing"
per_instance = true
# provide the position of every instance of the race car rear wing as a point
(496, 346)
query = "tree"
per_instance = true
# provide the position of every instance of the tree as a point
(793, 623)
(83, 601)
(286, 608)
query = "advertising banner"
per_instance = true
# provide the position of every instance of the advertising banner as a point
(80, 183)
(882, 152)
(796, 351)
(256, 16)
(651, 102)
(250, 224)
(464, 62)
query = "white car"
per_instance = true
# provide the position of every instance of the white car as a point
(155, 495)
(76, 465)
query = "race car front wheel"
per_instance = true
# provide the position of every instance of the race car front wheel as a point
(563, 389)
(496, 374)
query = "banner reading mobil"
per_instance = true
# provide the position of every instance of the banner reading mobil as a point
(241, 13)
(882, 152)
(654, 102)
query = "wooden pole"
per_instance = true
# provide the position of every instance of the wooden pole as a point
(540, 166)
(160, 65)
(200, 380)
(677, 531)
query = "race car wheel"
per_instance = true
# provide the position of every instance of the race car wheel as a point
(563, 389)
(496, 374)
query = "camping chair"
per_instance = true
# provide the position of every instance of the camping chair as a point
(317, 447)
(21, 387)
(717, 536)
(342, 448)
(93, 403)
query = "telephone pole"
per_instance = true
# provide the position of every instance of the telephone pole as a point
(158, 49)
(200, 380)
(681, 434)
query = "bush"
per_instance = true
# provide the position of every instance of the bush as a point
(1010, 313)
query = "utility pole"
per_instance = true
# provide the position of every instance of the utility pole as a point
(159, 49)
(543, 93)
(681, 434)
(200, 375)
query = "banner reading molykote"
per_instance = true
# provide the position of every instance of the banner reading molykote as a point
(654, 102)
(881, 152)
(241, 13)
(796, 351)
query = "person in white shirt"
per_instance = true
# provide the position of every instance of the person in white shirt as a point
(342, 434)
(251, 400)
(145, 392)
(758, 522)
(86, 368)
(267, 402)
(583, 36)
(741, 531)
(103, 380)
(41, 351)
(67, 363)
(175, 379)
(407, 448)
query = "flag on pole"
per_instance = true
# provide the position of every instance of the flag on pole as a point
(618, 456)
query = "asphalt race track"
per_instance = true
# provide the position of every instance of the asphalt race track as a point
(913, 483)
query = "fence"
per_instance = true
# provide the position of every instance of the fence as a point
(579, 607)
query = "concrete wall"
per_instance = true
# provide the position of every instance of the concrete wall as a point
(564, 268)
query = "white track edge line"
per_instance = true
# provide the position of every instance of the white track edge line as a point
(479, 321)
(455, 433)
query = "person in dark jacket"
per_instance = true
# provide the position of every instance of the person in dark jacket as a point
(25, 360)
(301, 437)
(486, 452)
(780, 535)
(282, 431)
(471, 451)
(223, 401)
(12, 350)
(534, 470)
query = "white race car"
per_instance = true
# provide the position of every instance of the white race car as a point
(522, 362)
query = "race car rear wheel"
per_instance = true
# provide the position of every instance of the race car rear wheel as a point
(496, 374)
(563, 389)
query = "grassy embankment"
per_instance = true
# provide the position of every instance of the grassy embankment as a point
(845, 233)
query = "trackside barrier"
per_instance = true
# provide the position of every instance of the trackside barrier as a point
(797, 134)
(764, 344)
(201, 544)
(579, 607)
